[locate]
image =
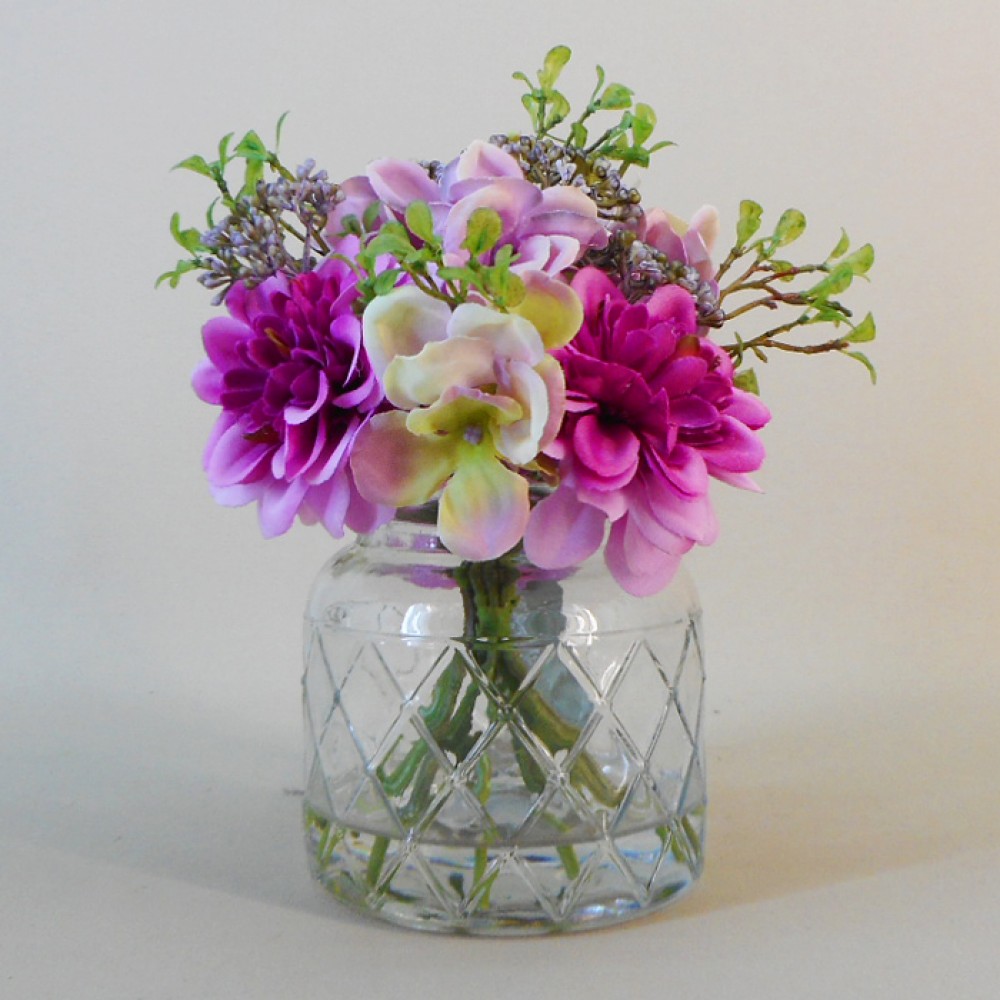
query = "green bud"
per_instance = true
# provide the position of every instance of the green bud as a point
(843, 245)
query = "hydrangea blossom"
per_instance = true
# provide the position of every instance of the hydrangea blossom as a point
(478, 396)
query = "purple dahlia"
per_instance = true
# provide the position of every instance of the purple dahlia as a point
(288, 368)
(651, 413)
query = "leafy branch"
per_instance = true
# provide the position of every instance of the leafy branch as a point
(624, 141)
(417, 251)
(760, 281)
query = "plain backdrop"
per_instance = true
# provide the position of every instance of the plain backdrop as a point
(149, 641)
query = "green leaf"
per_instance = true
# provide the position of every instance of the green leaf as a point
(189, 239)
(843, 245)
(837, 281)
(616, 97)
(558, 109)
(392, 238)
(483, 232)
(747, 381)
(863, 332)
(252, 148)
(593, 104)
(420, 221)
(254, 175)
(350, 225)
(749, 222)
(636, 155)
(790, 227)
(277, 130)
(578, 135)
(371, 215)
(662, 144)
(861, 260)
(520, 76)
(643, 123)
(174, 276)
(782, 270)
(866, 361)
(196, 164)
(386, 281)
(224, 156)
(555, 60)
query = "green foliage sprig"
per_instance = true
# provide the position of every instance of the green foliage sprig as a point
(762, 285)
(418, 251)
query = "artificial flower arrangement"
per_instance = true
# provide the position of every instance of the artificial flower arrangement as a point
(511, 351)
(513, 318)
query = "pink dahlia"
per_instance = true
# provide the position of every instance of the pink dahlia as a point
(550, 229)
(651, 413)
(290, 372)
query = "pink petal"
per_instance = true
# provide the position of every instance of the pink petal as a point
(484, 508)
(607, 448)
(640, 567)
(222, 337)
(484, 160)
(738, 449)
(398, 182)
(234, 458)
(675, 306)
(748, 409)
(593, 287)
(279, 503)
(207, 383)
(562, 531)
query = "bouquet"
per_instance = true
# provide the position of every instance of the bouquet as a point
(513, 342)
(511, 332)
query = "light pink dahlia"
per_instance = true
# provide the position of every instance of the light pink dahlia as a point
(289, 370)
(651, 413)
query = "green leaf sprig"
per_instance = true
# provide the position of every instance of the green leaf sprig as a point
(761, 285)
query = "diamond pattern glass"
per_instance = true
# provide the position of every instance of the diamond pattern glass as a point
(545, 778)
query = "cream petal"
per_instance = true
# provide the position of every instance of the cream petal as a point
(420, 379)
(520, 441)
(511, 336)
(401, 323)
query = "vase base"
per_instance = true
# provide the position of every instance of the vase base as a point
(507, 890)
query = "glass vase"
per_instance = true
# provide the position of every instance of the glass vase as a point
(496, 749)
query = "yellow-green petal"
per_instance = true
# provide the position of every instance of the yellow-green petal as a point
(552, 308)
(484, 508)
(458, 410)
(424, 377)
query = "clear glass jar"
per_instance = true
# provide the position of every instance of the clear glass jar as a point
(496, 749)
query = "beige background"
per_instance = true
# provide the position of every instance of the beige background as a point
(149, 720)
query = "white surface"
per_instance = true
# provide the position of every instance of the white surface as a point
(149, 727)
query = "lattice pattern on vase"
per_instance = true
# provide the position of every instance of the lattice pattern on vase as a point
(602, 813)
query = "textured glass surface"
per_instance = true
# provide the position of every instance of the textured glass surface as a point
(546, 780)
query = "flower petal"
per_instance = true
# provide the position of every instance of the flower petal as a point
(640, 567)
(552, 308)
(562, 531)
(402, 322)
(420, 379)
(484, 160)
(399, 182)
(484, 507)
(395, 468)
(509, 335)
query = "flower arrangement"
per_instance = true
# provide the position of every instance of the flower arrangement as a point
(512, 332)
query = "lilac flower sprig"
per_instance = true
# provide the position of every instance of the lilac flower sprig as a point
(274, 225)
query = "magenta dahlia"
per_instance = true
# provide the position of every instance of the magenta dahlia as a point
(651, 414)
(289, 370)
